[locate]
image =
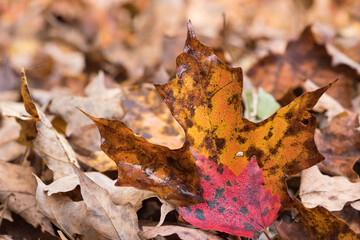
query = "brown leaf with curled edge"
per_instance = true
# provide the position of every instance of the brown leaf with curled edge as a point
(49, 144)
(172, 174)
(339, 142)
(205, 98)
(283, 75)
(313, 224)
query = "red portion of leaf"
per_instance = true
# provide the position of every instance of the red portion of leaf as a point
(236, 205)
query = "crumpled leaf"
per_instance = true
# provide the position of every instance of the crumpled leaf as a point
(49, 144)
(119, 195)
(184, 233)
(313, 224)
(69, 216)
(237, 205)
(283, 75)
(339, 142)
(19, 185)
(332, 193)
(205, 98)
(171, 174)
(112, 221)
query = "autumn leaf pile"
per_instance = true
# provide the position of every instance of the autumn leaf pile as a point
(253, 135)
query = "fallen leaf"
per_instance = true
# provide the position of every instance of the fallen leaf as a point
(238, 205)
(267, 105)
(282, 75)
(98, 160)
(103, 102)
(18, 186)
(184, 233)
(317, 189)
(49, 144)
(339, 142)
(9, 133)
(313, 224)
(171, 174)
(205, 98)
(112, 221)
(69, 216)
(119, 195)
(351, 216)
(148, 117)
(326, 102)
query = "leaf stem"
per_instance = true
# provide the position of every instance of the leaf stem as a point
(267, 235)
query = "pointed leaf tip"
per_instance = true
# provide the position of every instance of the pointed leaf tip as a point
(190, 29)
(22, 72)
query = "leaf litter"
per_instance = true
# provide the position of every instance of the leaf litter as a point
(105, 64)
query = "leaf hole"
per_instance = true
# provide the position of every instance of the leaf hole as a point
(305, 121)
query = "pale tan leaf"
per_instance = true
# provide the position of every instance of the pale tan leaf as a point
(332, 193)
(69, 216)
(164, 210)
(18, 186)
(184, 233)
(113, 221)
(119, 195)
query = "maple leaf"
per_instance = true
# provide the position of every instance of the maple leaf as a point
(172, 174)
(205, 98)
(238, 205)
(316, 223)
(282, 75)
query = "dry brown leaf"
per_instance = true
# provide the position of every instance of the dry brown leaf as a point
(339, 142)
(18, 185)
(69, 216)
(48, 143)
(9, 132)
(351, 216)
(99, 102)
(184, 233)
(112, 221)
(332, 193)
(119, 195)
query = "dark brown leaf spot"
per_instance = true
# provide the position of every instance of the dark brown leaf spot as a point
(220, 143)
